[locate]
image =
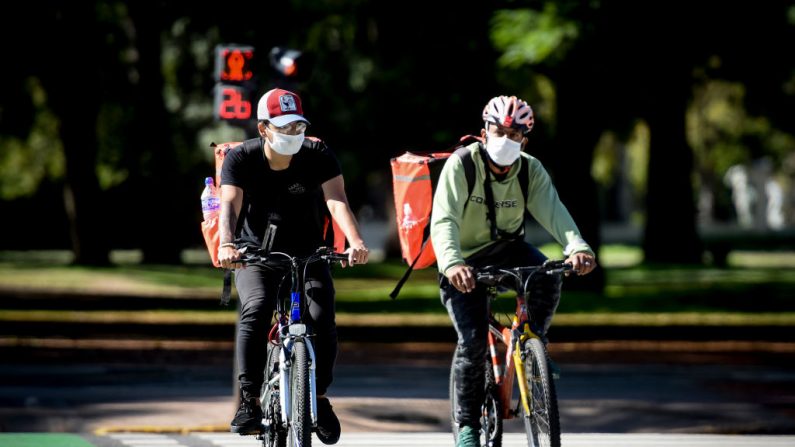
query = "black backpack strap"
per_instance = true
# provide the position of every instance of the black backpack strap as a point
(226, 292)
(426, 237)
(469, 169)
(524, 178)
(524, 183)
(491, 214)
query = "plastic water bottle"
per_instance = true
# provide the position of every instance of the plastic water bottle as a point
(211, 203)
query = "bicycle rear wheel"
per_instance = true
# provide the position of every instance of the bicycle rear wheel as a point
(542, 425)
(491, 419)
(300, 432)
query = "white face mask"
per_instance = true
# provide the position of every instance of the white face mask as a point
(503, 150)
(286, 144)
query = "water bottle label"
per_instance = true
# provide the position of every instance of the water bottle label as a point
(211, 204)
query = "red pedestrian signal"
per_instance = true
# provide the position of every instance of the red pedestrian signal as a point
(233, 63)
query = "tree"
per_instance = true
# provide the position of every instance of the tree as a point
(158, 173)
(70, 81)
(610, 67)
(546, 44)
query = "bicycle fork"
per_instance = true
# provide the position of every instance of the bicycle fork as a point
(521, 374)
(285, 396)
(521, 377)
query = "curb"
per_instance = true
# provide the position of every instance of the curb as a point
(163, 429)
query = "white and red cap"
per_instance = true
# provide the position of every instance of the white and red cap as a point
(280, 107)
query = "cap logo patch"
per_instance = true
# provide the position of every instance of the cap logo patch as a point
(287, 103)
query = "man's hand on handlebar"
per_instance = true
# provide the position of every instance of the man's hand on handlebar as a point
(357, 255)
(461, 277)
(581, 263)
(227, 255)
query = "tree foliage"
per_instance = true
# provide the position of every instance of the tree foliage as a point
(109, 128)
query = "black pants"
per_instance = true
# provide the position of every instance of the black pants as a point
(469, 313)
(258, 287)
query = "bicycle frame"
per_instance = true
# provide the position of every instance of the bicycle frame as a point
(513, 339)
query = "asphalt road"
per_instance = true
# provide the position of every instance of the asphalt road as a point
(698, 388)
(391, 439)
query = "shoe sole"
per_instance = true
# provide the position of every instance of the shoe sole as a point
(244, 431)
(327, 440)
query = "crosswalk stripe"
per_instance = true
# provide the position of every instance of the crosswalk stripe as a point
(229, 439)
(145, 440)
(444, 439)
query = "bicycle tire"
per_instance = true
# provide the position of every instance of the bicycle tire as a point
(276, 436)
(542, 426)
(491, 422)
(300, 430)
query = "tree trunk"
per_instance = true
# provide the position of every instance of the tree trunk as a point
(670, 235)
(72, 91)
(576, 137)
(160, 176)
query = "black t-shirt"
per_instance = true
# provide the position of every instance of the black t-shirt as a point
(291, 199)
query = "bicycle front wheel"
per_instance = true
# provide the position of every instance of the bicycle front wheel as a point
(542, 425)
(275, 435)
(300, 433)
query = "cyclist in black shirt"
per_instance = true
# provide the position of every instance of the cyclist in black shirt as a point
(272, 190)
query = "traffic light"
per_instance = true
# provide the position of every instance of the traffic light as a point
(233, 63)
(290, 65)
(234, 84)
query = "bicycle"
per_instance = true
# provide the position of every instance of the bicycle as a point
(288, 398)
(525, 355)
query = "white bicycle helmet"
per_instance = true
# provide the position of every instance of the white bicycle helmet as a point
(509, 111)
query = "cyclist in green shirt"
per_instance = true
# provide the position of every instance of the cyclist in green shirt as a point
(466, 232)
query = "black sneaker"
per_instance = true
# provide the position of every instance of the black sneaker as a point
(248, 419)
(328, 426)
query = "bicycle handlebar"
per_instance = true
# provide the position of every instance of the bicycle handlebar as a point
(259, 256)
(494, 275)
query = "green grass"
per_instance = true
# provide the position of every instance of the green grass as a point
(128, 279)
(757, 287)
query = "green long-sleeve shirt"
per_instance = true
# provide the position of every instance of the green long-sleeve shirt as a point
(458, 231)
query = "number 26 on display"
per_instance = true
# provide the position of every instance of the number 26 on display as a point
(231, 104)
